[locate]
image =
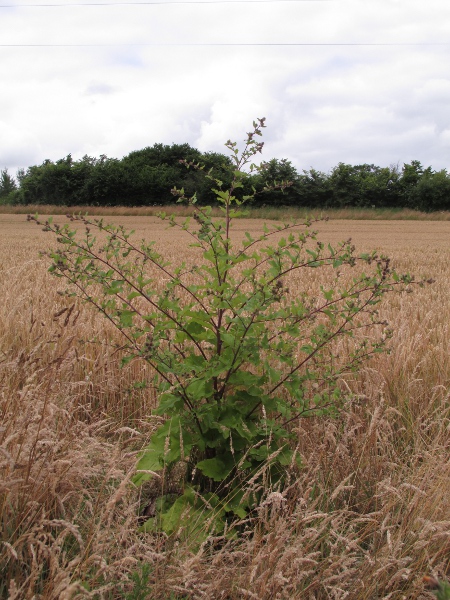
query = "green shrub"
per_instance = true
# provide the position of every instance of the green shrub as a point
(237, 359)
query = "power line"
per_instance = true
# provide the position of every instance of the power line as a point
(156, 44)
(156, 2)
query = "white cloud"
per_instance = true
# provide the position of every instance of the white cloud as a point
(324, 104)
(18, 146)
(97, 88)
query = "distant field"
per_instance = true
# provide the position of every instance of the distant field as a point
(264, 212)
(387, 235)
(367, 518)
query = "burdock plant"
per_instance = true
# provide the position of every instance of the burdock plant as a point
(238, 360)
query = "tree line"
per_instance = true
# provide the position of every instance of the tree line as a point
(146, 177)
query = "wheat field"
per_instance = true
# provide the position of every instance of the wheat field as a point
(366, 518)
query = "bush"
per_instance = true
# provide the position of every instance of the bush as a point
(237, 359)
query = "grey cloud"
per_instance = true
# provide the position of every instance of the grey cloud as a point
(100, 89)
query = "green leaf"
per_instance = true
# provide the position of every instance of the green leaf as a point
(246, 379)
(126, 317)
(149, 461)
(307, 349)
(150, 526)
(170, 402)
(197, 389)
(115, 287)
(194, 328)
(216, 468)
(274, 374)
(173, 518)
(132, 295)
(236, 504)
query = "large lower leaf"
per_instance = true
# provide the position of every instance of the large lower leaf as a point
(217, 468)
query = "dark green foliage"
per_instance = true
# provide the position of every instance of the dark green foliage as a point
(8, 187)
(102, 181)
(315, 189)
(363, 186)
(140, 178)
(145, 177)
(273, 172)
(238, 359)
(411, 176)
(424, 189)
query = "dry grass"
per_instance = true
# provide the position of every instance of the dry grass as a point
(365, 519)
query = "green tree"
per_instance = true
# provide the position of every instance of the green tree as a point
(283, 174)
(220, 167)
(344, 182)
(152, 171)
(411, 175)
(50, 183)
(378, 187)
(314, 189)
(364, 185)
(432, 192)
(7, 185)
(108, 183)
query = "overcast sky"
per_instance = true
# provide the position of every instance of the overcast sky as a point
(126, 76)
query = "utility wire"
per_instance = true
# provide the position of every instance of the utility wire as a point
(158, 2)
(156, 44)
